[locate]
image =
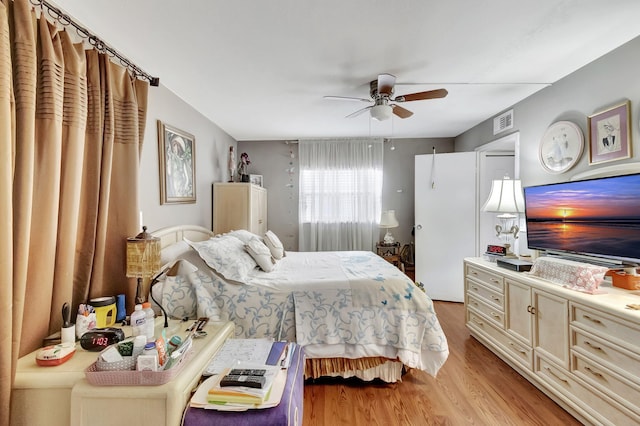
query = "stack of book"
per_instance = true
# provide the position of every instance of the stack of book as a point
(243, 384)
(253, 389)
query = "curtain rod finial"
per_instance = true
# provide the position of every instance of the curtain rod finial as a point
(155, 81)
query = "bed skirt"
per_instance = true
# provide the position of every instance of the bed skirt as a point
(367, 369)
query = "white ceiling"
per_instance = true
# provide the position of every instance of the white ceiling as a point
(260, 69)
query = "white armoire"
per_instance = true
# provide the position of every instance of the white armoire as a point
(239, 206)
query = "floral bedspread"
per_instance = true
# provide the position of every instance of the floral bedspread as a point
(343, 301)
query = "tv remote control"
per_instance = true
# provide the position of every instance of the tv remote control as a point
(245, 372)
(248, 381)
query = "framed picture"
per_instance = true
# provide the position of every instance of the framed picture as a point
(561, 147)
(177, 155)
(256, 179)
(610, 134)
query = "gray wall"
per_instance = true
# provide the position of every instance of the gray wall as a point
(605, 82)
(272, 160)
(211, 149)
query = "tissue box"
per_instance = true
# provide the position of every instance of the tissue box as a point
(623, 280)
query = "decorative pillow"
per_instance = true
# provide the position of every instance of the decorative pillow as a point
(574, 275)
(274, 244)
(226, 255)
(244, 235)
(261, 254)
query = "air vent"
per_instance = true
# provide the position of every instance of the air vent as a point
(503, 122)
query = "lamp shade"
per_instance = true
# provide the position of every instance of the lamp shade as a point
(388, 219)
(381, 112)
(505, 197)
(143, 255)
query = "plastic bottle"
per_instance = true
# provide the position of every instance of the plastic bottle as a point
(139, 343)
(138, 322)
(148, 360)
(150, 321)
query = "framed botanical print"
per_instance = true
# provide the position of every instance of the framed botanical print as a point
(610, 134)
(177, 157)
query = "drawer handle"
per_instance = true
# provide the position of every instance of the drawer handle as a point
(592, 346)
(517, 348)
(474, 288)
(595, 373)
(493, 314)
(474, 273)
(495, 280)
(497, 299)
(531, 309)
(596, 321)
(474, 303)
(478, 322)
(550, 371)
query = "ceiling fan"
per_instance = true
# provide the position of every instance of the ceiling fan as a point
(381, 91)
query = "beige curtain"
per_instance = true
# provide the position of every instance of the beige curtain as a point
(72, 125)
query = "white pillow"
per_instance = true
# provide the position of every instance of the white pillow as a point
(244, 235)
(226, 255)
(261, 254)
(174, 251)
(274, 244)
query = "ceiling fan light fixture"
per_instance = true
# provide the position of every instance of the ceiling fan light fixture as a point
(381, 112)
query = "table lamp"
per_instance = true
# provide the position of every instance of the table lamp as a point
(143, 260)
(388, 221)
(506, 198)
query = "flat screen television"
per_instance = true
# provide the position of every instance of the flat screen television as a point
(598, 218)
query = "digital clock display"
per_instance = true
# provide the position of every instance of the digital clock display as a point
(101, 341)
(496, 250)
(99, 338)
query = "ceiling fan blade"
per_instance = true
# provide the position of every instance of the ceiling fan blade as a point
(401, 112)
(419, 96)
(346, 98)
(386, 83)
(358, 112)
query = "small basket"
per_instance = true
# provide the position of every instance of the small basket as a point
(127, 363)
(129, 377)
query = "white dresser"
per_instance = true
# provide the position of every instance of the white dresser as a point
(582, 350)
(61, 395)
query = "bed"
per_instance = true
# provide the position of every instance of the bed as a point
(354, 313)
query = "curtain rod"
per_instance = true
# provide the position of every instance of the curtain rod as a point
(65, 20)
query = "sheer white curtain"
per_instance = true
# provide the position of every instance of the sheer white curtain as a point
(340, 193)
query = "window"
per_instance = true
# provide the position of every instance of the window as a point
(340, 194)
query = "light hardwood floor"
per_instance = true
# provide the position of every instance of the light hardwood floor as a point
(474, 387)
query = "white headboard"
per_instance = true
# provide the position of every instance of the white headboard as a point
(173, 234)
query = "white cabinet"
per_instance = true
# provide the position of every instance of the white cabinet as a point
(551, 327)
(61, 395)
(239, 206)
(582, 350)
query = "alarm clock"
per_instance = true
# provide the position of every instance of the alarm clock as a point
(496, 250)
(97, 339)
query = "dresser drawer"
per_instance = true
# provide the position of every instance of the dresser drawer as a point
(602, 408)
(495, 315)
(490, 279)
(486, 294)
(606, 326)
(623, 391)
(517, 351)
(620, 359)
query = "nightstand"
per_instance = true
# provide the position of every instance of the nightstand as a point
(390, 253)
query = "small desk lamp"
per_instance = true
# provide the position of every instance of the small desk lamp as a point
(506, 198)
(143, 260)
(388, 221)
